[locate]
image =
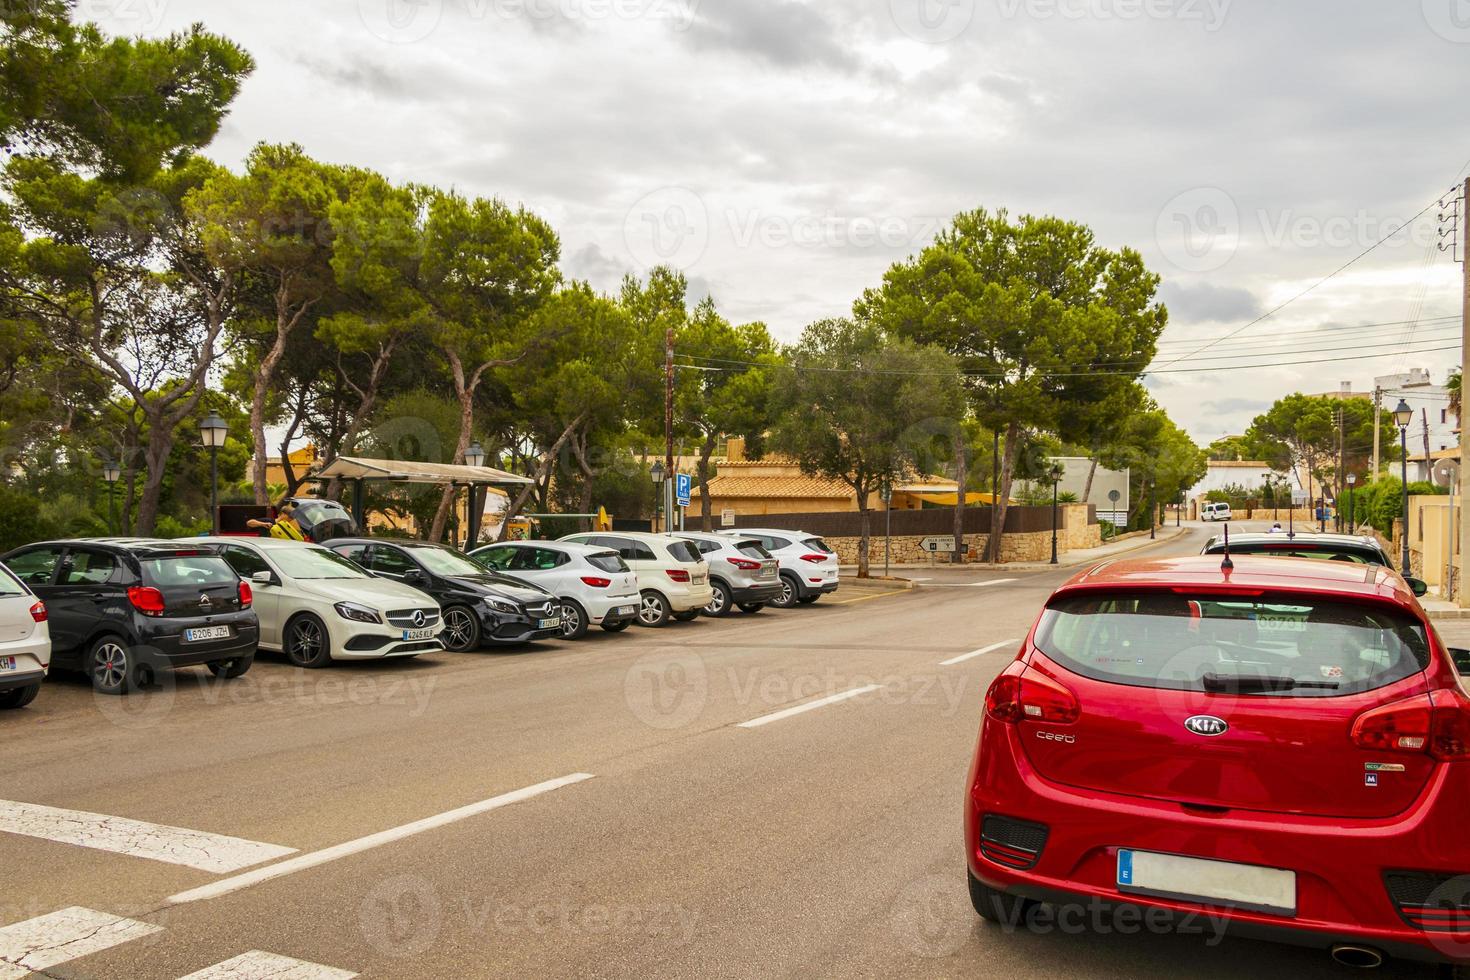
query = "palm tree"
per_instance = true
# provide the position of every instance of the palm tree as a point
(1453, 387)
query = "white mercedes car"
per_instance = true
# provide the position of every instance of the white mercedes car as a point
(316, 606)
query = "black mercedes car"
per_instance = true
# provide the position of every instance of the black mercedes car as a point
(480, 606)
(122, 609)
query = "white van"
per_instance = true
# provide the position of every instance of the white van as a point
(1216, 512)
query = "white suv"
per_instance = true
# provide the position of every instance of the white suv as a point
(25, 642)
(673, 580)
(316, 606)
(1216, 512)
(808, 566)
(594, 585)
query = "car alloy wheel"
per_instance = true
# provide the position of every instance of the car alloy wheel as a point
(110, 667)
(788, 593)
(306, 642)
(573, 626)
(459, 628)
(652, 610)
(719, 602)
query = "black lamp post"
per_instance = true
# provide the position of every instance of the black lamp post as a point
(886, 494)
(213, 432)
(1402, 416)
(658, 480)
(1055, 473)
(111, 472)
(474, 456)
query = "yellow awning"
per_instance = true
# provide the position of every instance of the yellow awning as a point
(950, 499)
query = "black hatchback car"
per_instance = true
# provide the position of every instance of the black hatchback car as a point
(479, 605)
(122, 609)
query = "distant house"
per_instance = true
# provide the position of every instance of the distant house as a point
(1223, 473)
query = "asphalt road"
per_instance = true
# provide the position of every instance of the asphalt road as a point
(820, 843)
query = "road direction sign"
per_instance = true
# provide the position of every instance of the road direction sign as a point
(683, 487)
(935, 545)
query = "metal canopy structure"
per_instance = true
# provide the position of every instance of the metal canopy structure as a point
(358, 470)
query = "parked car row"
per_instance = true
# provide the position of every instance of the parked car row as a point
(123, 609)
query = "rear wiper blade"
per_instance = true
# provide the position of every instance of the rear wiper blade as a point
(1257, 683)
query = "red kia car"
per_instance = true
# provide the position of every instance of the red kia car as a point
(1282, 746)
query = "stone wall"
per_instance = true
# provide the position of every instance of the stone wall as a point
(1033, 546)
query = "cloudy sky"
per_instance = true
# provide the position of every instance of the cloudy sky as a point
(783, 153)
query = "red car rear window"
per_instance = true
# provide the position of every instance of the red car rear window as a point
(1270, 645)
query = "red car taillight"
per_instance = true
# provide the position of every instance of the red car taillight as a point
(745, 563)
(38, 612)
(246, 596)
(678, 574)
(814, 559)
(596, 583)
(148, 601)
(1437, 723)
(1022, 694)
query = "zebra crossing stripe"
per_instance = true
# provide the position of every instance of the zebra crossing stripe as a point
(69, 934)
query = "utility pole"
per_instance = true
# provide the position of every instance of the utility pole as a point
(1341, 462)
(1461, 215)
(668, 487)
(1377, 427)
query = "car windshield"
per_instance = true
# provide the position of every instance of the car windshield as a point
(817, 545)
(314, 563)
(752, 549)
(1298, 548)
(608, 561)
(312, 512)
(1268, 645)
(442, 561)
(10, 585)
(188, 570)
(685, 551)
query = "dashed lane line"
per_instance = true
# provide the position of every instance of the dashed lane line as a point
(337, 852)
(809, 706)
(976, 653)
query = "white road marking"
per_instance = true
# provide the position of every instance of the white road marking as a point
(970, 585)
(994, 581)
(976, 653)
(135, 838)
(50, 940)
(338, 851)
(258, 965)
(800, 708)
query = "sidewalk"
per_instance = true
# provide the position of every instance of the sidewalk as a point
(1068, 559)
(1440, 609)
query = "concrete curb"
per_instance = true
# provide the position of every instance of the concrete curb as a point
(1448, 615)
(854, 584)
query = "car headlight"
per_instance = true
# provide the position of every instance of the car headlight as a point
(503, 605)
(358, 613)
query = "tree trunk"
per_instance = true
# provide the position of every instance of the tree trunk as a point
(1002, 498)
(866, 541)
(286, 322)
(548, 459)
(579, 450)
(961, 468)
(466, 425)
(1087, 486)
(155, 459)
(367, 399)
(706, 523)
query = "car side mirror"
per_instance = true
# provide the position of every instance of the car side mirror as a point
(263, 578)
(1461, 657)
(1417, 586)
(413, 575)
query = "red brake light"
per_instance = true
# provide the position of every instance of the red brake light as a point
(678, 574)
(595, 582)
(246, 596)
(1024, 693)
(814, 559)
(745, 563)
(148, 601)
(38, 612)
(1437, 723)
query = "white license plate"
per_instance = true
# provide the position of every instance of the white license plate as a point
(207, 633)
(547, 624)
(7, 663)
(768, 573)
(1212, 882)
(625, 611)
(423, 634)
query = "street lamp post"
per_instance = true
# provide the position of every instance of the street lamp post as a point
(212, 432)
(658, 480)
(1352, 481)
(1402, 416)
(111, 472)
(1056, 481)
(886, 494)
(474, 455)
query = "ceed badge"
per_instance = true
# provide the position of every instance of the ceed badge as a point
(1382, 767)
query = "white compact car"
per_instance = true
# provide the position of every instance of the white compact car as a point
(25, 642)
(673, 580)
(1215, 512)
(594, 585)
(316, 606)
(808, 566)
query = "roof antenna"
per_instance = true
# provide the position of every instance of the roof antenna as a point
(1227, 564)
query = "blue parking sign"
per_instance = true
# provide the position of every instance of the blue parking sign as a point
(683, 486)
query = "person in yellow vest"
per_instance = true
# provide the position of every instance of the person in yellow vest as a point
(284, 526)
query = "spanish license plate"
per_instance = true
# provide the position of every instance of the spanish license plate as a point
(547, 624)
(768, 573)
(1211, 882)
(7, 663)
(423, 634)
(626, 611)
(207, 633)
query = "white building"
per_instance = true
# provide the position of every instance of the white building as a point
(1431, 404)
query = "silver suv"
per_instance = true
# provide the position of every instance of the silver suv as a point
(741, 572)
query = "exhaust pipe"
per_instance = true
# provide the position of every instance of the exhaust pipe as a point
(1358, 957)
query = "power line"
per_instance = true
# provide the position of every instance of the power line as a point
(1374, 328)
